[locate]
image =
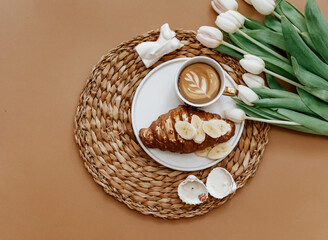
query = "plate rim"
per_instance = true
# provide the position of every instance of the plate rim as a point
(242, 125)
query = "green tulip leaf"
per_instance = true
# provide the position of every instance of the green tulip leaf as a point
(272, 82)
(317, 27)
(254, 24)
(289, 103)
(310, 122)
(273, 23)
(308, 78)
(268, 36)
(303, 54)
(228, 51)
(318, 92)
(293, 15)
(313, 103)
(274, 93)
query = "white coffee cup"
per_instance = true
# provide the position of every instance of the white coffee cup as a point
(207, 61)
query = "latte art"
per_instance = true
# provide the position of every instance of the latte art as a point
(199, 83)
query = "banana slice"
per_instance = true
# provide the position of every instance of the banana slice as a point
(216, 128)
(219, 151)
(198, 124)
(224, 127)
(203, 153)
(185, 130)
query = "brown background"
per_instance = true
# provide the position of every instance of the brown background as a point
(47, 50)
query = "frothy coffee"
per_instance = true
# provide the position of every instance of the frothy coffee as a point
(199, 83)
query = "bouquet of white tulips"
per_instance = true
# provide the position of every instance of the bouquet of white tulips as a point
(290, 46)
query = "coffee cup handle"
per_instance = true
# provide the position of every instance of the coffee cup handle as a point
(230, 91)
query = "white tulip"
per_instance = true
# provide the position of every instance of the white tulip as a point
(253, 81)
(221, 6)
(249, 2)
(230, 21)
(264, 7)
(225, 24)
(209, 36)
(252, 64)
(236, 115)
(247, 95)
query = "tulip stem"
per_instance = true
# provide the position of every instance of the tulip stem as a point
(277, 15)
(234, 48)
(287, 80)
(272, 121)
(264, 47)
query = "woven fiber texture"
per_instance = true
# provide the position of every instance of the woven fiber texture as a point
(111, 153)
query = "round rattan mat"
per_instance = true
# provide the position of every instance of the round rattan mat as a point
(111, 153)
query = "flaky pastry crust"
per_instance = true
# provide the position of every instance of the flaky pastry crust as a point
(162, 134)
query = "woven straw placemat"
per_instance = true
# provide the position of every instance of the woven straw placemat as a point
(111, 153)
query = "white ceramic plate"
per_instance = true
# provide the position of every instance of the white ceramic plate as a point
(156, 96)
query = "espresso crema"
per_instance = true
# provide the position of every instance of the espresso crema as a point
(199, 83)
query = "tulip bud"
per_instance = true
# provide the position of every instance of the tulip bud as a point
(209, 36)
(253, 81)
(221, 6)
(230, 21)
(252, 64)
(249, 2)
(236, 115)
(265, 7)
(247, 95)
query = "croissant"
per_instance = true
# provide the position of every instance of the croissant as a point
(162, 134)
